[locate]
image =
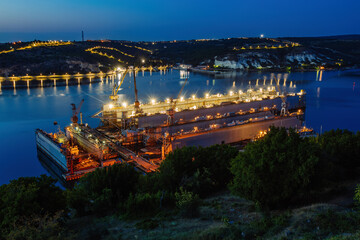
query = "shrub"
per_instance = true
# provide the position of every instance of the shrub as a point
(216, 161)
(187, 203)
(149, 183)
(142, 204)
(330, 223)
(29, 196)
(273, 170)
(343, 145)
(342, 149)
(175, 167)
(357, 196)
(147, 224)
(202, 170)
(40, 228)
(266, 226)
(102, 190)
(200, 182)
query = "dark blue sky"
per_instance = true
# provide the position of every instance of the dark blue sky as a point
(174, 19)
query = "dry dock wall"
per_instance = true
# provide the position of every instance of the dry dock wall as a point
(206, 123)
(189, 115)
(233, 134)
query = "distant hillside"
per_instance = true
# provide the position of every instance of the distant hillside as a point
(266, 53)
(35, 58)
(337, 37)
(233, 53)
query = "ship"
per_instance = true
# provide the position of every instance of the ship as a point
(202, 121)
(51, 146)
(142, 134)
(67, 160)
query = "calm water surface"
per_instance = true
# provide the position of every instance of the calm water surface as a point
(333, 101)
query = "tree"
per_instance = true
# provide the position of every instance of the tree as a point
(216, 160)
(343, 146)
(104, 189)
(273, 170)
(202, 170)
(176, 167)
(29, 197)
(357, 196)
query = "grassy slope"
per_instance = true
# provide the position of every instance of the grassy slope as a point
(226, 217)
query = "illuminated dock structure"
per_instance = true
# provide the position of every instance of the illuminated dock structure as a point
(213, 119)
(68, 79)
(155, 112)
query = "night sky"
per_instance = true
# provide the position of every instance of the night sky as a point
(173, 19)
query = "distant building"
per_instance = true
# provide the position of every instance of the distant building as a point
(185, 66)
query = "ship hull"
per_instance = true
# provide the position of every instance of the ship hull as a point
(51, 149)
(233, 134)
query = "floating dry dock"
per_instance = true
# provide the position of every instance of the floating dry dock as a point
(143, 134)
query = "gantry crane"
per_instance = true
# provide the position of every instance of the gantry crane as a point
(75, 111)
(168, 138)
(114, 97)
(136, 103)
(284, 105)
(171, 111)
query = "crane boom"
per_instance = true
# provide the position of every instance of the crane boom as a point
(79, 106)
(116, 88)
(136, 104)
(76, 111)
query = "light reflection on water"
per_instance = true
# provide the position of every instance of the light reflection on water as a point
(333, 101)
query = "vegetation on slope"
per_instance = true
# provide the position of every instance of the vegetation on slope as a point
(333, 52)
(187, 197)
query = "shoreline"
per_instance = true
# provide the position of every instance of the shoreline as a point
(47, 83)
(225, 71)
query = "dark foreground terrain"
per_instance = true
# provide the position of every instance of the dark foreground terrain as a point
(282, 186)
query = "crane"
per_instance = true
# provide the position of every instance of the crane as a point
(170, 111)
(136, 103)
(168, 138)
(114, 97)
(284, 104)
(75, 111)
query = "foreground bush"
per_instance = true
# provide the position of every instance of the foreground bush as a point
(342, 145)
(145, 204)
(200, 170)
(187, 202)
(357, 196)
(40, 228)
(273, 170)
(104, 189)
(342, 149)
(28, 198)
